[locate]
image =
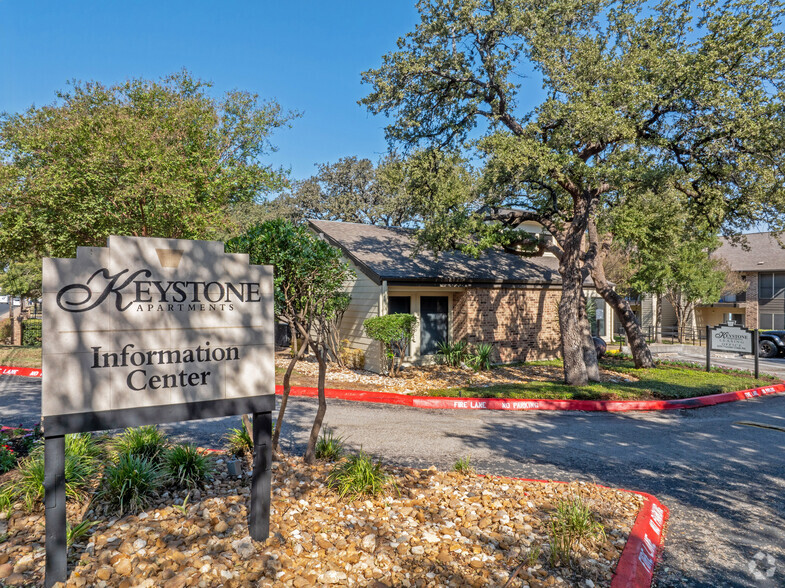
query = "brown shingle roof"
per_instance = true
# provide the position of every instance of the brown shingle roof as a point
(764, 254)
(385, 253)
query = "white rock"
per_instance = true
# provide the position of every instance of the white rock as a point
(332, 577)
(244, 547)
(418, 550)
(430, 537)
(368, 543)
(589, 584)
(139, 544)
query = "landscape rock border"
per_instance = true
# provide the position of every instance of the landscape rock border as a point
(644, 545)
(515, 404)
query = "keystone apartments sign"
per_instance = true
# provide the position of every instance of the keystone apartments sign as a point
(148, 331)
(731, 338)
(150, 322)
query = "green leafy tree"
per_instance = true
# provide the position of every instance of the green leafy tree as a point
(352, 190)
(688, 93)
(21, 279)
(309, 275)
(394, 332)
(144, 158)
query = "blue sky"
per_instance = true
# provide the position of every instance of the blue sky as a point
(308, 55)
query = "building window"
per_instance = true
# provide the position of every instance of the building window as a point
(772, 321)
(771, 286)
(595, 309)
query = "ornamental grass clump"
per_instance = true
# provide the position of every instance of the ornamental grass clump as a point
(238, 441)
(81, 466)
(186, 466)
(130, 483)
(358, 475)
(329, 447)
(147, 442)
(571, 525)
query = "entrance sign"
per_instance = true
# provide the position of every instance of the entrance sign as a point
(730, 337)
(148, 331)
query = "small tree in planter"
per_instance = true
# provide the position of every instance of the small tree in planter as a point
(309, 274)
(395, 332)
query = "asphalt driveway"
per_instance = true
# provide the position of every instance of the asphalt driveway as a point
(723, 481)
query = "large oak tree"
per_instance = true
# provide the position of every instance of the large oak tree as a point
(635, 94)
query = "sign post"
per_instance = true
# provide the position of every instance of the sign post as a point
(149, 331)
(730, 337)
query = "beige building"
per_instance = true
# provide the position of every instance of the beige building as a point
(761, 306)
(498, 298)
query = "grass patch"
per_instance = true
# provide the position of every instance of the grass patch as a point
(463, 465)
(15, 356)
(358, 475)
(666, 381)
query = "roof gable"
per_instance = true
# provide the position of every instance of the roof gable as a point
(764, 254)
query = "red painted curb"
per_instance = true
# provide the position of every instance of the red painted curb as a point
(644, 545)
(502, 403)
(6, 370)
(534, 404)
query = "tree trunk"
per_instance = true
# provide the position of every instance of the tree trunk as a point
(658, 320)
(310, 451)
(11, 318)
(589, 352)
(641, 354)
(575, 373)
(287, 387)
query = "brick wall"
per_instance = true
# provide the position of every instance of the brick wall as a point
(522, 324)
(752, 301)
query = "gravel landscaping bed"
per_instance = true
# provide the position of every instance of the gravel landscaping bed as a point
(430, 528)
(420, 379)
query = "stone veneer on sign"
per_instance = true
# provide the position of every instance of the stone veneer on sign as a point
(523, 324)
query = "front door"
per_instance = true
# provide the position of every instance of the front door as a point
(434, 323)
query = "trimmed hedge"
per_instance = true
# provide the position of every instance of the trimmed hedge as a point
(31, 332)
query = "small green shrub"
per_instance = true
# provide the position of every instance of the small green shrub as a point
(395, 332)
(238, 441)
(185, 465)
(130, 483)
(463, 465)
(329, 446)
(480, 360)
(73, 534)
(83, 445)
(358, 475)
(31, 332)
(572, 524)
(7, 459)
(452, 354)
(80, 470)
(147, 442)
